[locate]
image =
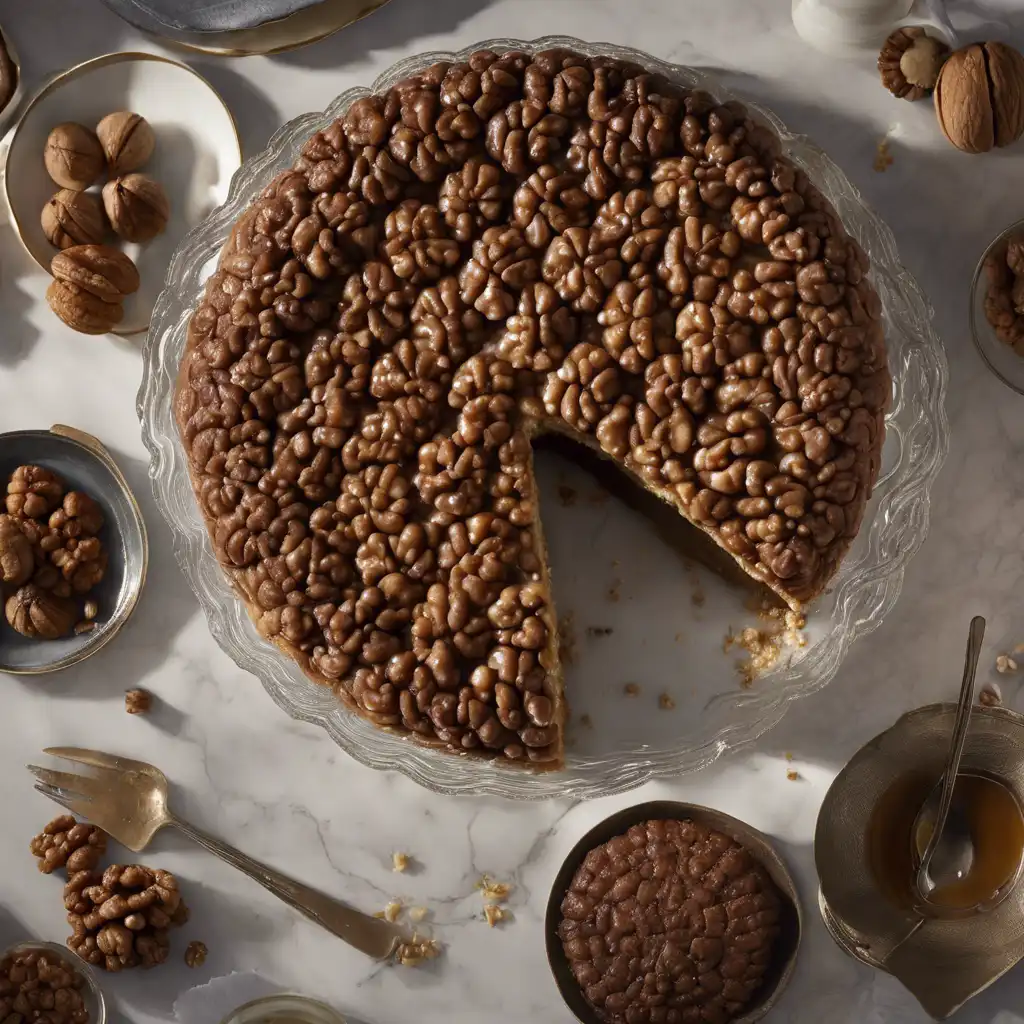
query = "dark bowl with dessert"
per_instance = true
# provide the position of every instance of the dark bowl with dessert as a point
(672, 908)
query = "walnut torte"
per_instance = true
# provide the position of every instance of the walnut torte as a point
(494, 249)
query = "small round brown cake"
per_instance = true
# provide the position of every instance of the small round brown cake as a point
(671, 923)
(515, 245)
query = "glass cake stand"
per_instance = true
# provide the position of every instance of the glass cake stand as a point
(671, 620)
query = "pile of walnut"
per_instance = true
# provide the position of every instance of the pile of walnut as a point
(134, 205)
(51, 555)
(979, 89)
(1004, 300)
(120, 918)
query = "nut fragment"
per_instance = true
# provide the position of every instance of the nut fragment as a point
(74, 218)
(70, 844)
(138, 702)
(38, 613)
(910, 62)
(1004, 664)
(136, 206)
(399, 861)
(195, 953)
(493, 914)
(127, 140)
(417, 950)
(73, 156)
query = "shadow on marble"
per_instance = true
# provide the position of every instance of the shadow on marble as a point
(401, 23)
(19, 335)
(165, 607)
(11, 928)
(255, 117)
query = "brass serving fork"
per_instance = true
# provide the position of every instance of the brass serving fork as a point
(129, 800)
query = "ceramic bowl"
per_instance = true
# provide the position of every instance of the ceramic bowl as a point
(84, 464)
(999, 357)
(197, 151)
(92, 994)
(753, 840)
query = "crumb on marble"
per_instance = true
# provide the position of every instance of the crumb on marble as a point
(990, 696)
(596, 631)
(493, 890)
(566, 495)
(392, 911)
(631, 689)
(418, 914)
(586, 721)
(698, 597)
(1004, 664)
(1019, 649)
(493, 914)
(792, 775)
(883, 156)
(567, 638)
(614, 593)
(399, 861)
(138, 702)
(417, 950)
(196, 953)
(665, 702)
(764, 647)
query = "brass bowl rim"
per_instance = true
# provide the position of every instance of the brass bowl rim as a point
(95, 449)
(759, 845)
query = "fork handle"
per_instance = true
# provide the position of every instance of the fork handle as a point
(369, 935)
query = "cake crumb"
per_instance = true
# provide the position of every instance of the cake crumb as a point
(1004, 664)
(399, 861)
(586, 721)
(990, 696)
(599, 631)
(418, 914)
(566, 495)
(613, 590)
(392, 911)
(698, 597)
(883, 157)
(493, 890)
(493, 914)
(792, 775)
(567, 638)
(665, 702)
(417, 950)
(631, 689)
(764, 647)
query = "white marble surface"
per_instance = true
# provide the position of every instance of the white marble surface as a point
(283, 792)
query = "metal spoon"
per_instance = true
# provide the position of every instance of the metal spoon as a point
(949, 853)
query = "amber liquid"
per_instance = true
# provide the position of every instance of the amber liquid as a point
(997, 830)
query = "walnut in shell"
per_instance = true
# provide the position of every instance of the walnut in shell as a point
(137, 207)
(979, 97)
(910, 62)
(74, 218)
(40, 614)
(127, 141)
(73, 156)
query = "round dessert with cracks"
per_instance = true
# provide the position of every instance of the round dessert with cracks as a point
(494, 249)
(672, 922)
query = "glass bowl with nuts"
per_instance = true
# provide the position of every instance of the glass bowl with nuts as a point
(73, 549)
(42, 973)
(997, 306)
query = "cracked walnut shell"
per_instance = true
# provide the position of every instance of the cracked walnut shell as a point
(90, 282)
(910, 62)
(73, 218)
(127, 141)
(73, 156)
(979, 97)
(38, 613)
(137, 207)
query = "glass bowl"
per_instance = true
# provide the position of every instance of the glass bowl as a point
(999, 357)
(284, 1008)
(614, 744)
(92, 994)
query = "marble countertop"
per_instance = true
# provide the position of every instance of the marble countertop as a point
(283, 792)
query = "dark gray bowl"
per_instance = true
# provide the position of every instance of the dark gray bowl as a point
(84, 464)
(756, 843)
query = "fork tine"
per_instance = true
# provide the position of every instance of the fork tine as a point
(80, 785)
(98, 759)
(80, 807)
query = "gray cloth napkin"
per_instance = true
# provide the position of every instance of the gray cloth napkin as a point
(211, 15)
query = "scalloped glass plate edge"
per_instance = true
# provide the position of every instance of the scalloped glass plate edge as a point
(864, 590)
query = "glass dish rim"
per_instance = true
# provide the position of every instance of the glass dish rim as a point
(74, 961)
(974, 312)
(864, 589)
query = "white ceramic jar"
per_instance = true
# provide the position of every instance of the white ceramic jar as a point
(848, 27)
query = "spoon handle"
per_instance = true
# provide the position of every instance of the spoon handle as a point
(375, 938)
(956, 748)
